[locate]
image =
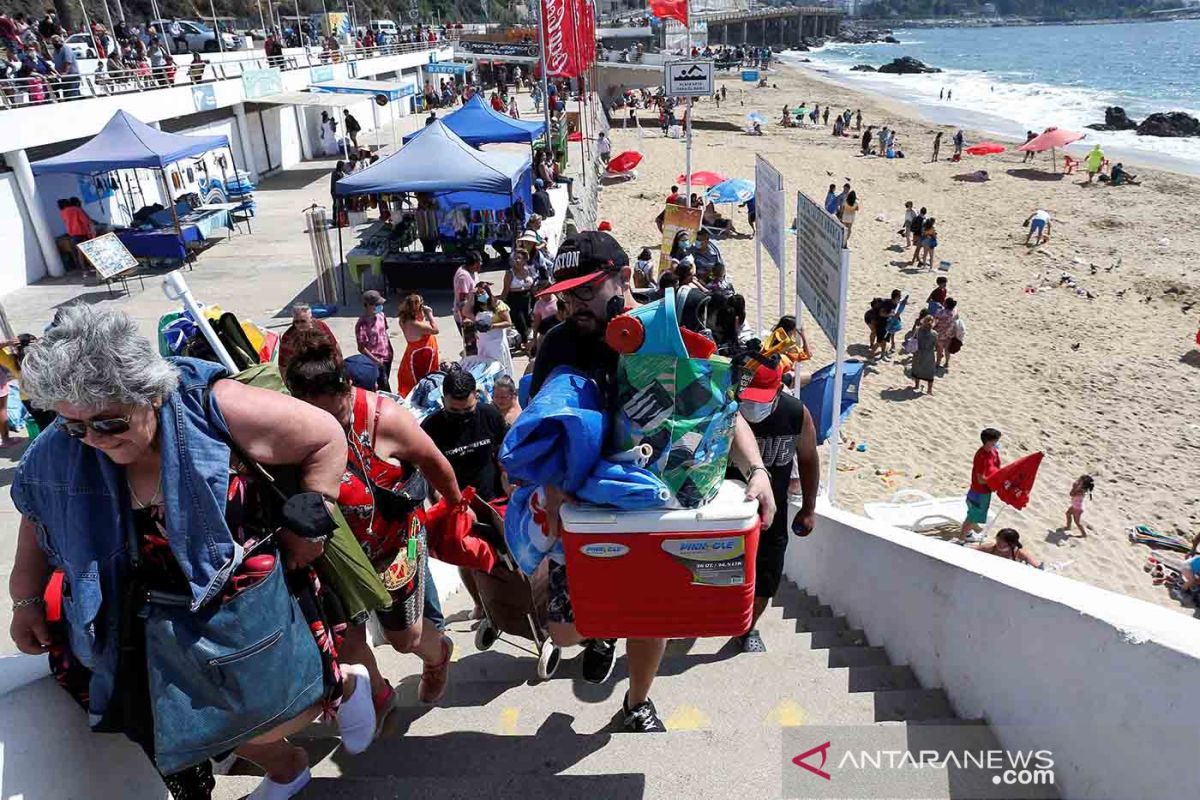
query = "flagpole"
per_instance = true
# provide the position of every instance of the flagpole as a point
(688, 158)
(541, 24)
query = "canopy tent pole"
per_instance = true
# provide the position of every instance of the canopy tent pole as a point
(162, 176)
(541, 28)
(341, 254)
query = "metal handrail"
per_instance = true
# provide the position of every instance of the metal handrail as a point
(41, 90)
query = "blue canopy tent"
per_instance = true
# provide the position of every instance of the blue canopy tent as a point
(477, 123)
(457, 175)
(126, 142)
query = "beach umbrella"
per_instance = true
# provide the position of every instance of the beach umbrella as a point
(734, 190)
(703, 178)
(1051, 139)
(624, 162)
(1013, 482)
(756, 116)
(985, 149)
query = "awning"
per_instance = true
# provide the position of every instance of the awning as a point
(126, 142)
(324, 99)
(390, 89)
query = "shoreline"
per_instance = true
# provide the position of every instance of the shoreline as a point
(999, 22)
(991, 125)
(1052, 364)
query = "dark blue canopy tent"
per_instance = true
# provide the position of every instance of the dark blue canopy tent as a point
(457, 175)
(478, 123)
(126, 142)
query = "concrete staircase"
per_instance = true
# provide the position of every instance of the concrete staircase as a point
(734, 721)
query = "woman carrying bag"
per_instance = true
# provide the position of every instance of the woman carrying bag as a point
(382, 503)
(184, 629)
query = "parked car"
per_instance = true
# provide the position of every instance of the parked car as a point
(386, 27)
(81, 45)
(198, 36)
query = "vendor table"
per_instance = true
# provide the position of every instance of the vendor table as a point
(415, 270)
(163, 243)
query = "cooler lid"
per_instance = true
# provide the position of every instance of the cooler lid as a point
(729, 511)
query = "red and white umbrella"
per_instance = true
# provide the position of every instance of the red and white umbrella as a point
(625, 161)
(703, 178)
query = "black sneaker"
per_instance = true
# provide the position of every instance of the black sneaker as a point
(598, 658)
(752, 643)
(642, 718)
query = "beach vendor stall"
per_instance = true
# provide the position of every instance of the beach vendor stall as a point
(458, 199)
(166, 233)
(477, 124)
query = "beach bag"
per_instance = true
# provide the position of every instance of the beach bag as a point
(450, 531)
(683, 408)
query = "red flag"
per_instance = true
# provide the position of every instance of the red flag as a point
(670, 9)
(560, 38)
(1013, 482)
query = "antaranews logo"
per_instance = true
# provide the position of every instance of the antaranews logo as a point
(901, 762)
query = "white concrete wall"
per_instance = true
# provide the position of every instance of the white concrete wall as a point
(1109, 684)
(23, 261)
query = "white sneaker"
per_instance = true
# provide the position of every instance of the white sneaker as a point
(270, 790)
(356, 714)
(975, 538)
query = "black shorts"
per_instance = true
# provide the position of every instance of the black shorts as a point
(772, 547)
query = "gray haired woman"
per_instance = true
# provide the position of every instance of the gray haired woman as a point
(145, 489)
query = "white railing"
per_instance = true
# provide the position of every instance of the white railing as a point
(39, 90)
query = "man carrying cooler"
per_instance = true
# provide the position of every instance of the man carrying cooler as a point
(596, 288)
(979, 498)
(784, 432)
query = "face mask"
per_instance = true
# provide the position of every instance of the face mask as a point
(379, 309)
(454, 412)
(756, 412)
(481, 298)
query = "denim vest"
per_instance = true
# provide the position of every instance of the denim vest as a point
(78, 500)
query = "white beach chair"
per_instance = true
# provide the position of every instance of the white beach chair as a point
(920, 512)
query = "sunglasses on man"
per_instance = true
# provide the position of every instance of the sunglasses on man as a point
(77, 429)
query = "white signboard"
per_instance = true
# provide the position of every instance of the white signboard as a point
(822, 264)
(769, 206)
(688, 78)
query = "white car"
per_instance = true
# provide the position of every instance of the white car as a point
(198, 36)
(81, 45)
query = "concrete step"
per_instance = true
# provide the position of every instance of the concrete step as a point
(839, 637)
(879, 678)
(858, 657)
(822, 624)
(912, 705)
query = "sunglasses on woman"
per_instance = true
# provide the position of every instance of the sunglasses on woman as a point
(77, 429)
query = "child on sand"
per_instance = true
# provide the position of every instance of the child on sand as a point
(979, 496)
(1082, 486)
(909, 215)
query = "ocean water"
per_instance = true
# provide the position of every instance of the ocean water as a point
(1009, 80)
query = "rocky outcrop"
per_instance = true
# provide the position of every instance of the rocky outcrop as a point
(907, 65)
(862, 68)
(1115, 119)
(891, 40)
(1174, 123)
(860, 36)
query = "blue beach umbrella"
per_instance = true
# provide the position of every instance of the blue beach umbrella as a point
(734, 190)
(756, 116)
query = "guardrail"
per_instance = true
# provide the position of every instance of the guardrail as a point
(35, 90)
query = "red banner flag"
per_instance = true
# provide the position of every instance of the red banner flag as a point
(670, 9)
(560, 38)
(1013, 482)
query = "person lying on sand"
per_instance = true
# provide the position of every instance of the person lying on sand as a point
(1008, 545)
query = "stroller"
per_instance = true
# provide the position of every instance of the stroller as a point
(512, 603)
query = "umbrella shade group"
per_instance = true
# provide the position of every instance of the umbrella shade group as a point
(703, 178)
(735, 190)
(1050, 139)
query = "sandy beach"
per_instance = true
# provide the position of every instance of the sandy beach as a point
(1104, 386)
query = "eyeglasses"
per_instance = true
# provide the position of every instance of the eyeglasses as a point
(583, 293)
(77, 429)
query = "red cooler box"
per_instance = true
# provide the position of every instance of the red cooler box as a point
(664, 573)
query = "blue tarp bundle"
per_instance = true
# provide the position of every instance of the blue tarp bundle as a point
(126, 142)
(558, 437)
(624, 485)
(478, 123)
